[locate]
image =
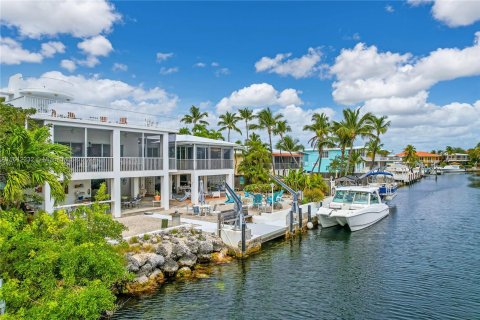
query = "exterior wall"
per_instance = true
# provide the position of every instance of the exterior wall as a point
(311, 156)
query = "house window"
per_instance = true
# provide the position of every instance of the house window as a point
(325, 154)
(215, 153)
(226, 154)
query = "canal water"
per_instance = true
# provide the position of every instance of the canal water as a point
(421, 262)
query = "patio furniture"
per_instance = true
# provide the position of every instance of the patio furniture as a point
(185, 197)
(196, 210)
(155, 202)
(135, 202)
(216, 194)
(229, 199)
(257, 200)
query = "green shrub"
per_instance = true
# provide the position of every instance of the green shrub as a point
(60, 268)
(146, 237)
(313, 195)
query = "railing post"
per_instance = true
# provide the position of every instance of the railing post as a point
(309, 214)
(291, 220)
(300, 218)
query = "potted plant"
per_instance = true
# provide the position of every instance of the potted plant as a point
(157, 196)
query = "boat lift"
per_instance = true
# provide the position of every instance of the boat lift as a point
(295, 207)
(240, 223)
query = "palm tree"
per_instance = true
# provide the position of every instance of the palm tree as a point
(342, 140)
(184, 130)
(373, 148)
(355, 160)
(34, 161)
(229, 122)
(380, 126)
(290, 145)
(449, 151)
(282, 127)
(354, 126)
(267, 121)
(195, 117)
(410, 156)
(321, 128)
(247, 115)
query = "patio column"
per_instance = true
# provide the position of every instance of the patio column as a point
(194, 188)
(177, 182)
(170, 186)
(136, 186)
(117, 197)
(165, 192)
(230, 180)
(115, 182)
(48, 200)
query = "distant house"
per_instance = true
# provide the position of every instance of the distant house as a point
(310, 157)
(428, 159)
(460, 158)
(284, 161)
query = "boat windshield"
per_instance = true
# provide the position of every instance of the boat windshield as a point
(360, 198)
(343, 196)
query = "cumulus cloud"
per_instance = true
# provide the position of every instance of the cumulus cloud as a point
(453, 13)
(96, 46)
(259, 95)
(222, 72)
(166, 71)
(12, 51)
(200, 65)
(69, 65)
(389, 8)
(364, 73)
(80, 19)
(134, 101)
(49, 49)
(119, 67)
(163, 56)
(302, 67)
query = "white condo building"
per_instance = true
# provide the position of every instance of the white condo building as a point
(139, 159)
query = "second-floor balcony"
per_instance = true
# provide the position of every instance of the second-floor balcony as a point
(281, 166)
(105, 164)
(90, 164)
(204, 164)
(140, 164)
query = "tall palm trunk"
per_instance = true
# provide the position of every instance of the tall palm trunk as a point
(343, 157)
(271, 151)
(246, 127)
(374, 153)
(314, 165)
(349, 158)
(289, 151)
(320, 151)
(228, 135)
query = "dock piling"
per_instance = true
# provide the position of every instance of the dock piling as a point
(291, 220)
(309, 213)
(300, 218)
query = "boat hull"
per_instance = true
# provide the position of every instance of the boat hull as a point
(324, 218)
(366, 219)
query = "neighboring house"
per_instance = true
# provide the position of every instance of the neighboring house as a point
(428, 159)
(460, 158)
(132, 159)
(380, 161)
(328, 155)
(284, 161)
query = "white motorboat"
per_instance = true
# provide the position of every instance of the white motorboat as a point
(453, 168)
(357, 207)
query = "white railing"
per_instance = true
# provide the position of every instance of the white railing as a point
(139, 164)
(42, 105)
(185, 164)
(172, 164)
(287, 166)
(214, 164)
(90, 164)
(153, 164)
(131, 163)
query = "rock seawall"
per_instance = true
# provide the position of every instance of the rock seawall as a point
(178, 253)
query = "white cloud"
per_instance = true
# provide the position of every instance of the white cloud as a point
(389, 8)
(454, 13)
(302, 67)
(136, 100)
(119, 67)
(12, 52)
(222, 72)
(259, 95)
(68, 65)
(166, 71)
(363, 73)
(215, 64)
(96, 46)
(49, 49)
(200, 65)
(35, 19)
(163, 56)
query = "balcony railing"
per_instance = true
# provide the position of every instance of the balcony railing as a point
(139, 164)
(172, 164)
(184, 164)
(280, 166)
(90, 164)
(214, 164)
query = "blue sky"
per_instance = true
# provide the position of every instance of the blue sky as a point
(210, 51)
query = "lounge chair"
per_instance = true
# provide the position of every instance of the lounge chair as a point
(185, 197)
(229, 199)
(257, 200)
(196, 210)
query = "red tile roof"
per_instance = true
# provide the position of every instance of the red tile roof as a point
(420, 154)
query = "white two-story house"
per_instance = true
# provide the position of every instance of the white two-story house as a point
(135, 160)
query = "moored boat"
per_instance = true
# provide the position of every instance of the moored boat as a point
(357, 207)
(451, 169)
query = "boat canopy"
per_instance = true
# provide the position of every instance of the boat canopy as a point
(375, 173)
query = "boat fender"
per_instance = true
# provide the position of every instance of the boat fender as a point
(310, 225)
